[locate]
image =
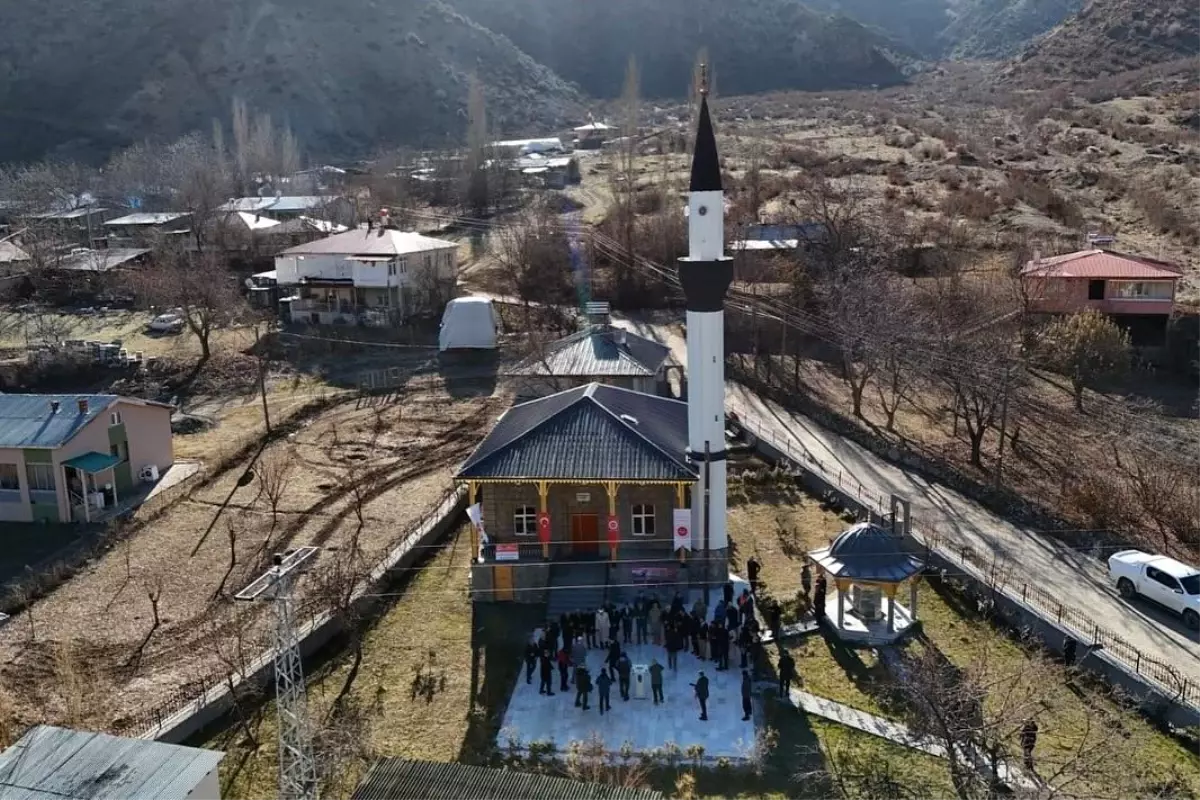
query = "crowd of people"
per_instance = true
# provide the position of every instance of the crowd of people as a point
(726, 634)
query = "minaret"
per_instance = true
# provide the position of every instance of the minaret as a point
(706, 273)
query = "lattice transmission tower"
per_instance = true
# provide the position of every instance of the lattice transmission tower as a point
(297, 767)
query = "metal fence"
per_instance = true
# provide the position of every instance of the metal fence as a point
(996, 573)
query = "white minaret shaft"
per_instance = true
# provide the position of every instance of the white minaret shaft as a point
(706, 274)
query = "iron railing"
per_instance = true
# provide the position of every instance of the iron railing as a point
(995, 572)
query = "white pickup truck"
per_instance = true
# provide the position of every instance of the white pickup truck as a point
(1164, 580)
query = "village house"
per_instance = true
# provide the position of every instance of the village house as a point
(1137, 292)
(283, 207)
(146, 229)
(593, 135)
(50, 763)
(595, 472)
(68, 457)
(366, 276)
(601, 352)
(82, 226)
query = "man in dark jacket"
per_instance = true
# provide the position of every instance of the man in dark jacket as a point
(583, 687)
(589, 627)
(716, 638)
(624, 672)
(701, 687)
(1029, 735)
(819, 598)
(731, 617)
(673, 645)
(531, 657)
(547, 673)
(626, 625)
(806, 580)
(787, 673)
(747, 690)
(727, 592)
(603, 684)
(614, 654)
(641, 610)
(752, 570)
(656, 680)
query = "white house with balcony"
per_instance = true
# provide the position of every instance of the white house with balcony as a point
(366, 276)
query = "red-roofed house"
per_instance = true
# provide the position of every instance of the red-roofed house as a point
(1138, 292)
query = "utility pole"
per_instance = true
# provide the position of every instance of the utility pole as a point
(297, 766)
(262, 379)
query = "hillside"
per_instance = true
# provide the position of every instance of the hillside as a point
(78, 79)
(755, 45)
(994, 29)
(1111, 36)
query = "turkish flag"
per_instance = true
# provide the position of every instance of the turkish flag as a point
(614, 530)
(543, 527)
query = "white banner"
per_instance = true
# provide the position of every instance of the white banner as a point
(682, 527)
(475, 514)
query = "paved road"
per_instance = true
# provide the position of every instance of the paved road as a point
(1076, 579)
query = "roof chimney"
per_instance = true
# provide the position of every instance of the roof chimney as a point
(83, 405)
(1037, 256)
(619, 335)
(54, 404)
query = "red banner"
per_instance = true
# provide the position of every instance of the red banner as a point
(614, 530)
(543, 527)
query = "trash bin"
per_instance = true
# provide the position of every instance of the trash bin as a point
(641, 681)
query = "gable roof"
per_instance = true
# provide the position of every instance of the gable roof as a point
(283, 203)
(401, 779)
(29, 420)
(1101, 264)
(599, 351)
(50, 763)
(100, 260)
(9, 253)
(148, 218)
(375, 242)
(590, 432)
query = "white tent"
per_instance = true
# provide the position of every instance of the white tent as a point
(469, 323)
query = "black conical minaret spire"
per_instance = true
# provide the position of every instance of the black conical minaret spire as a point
(706, 167)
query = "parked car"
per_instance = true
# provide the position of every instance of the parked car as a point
(1164, 580)
(166, 323)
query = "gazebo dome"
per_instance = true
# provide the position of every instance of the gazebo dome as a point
(867, 552)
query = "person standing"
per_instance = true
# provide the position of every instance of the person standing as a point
(582, 686)
(624, 671)
(603, 684)
(602, 628)
(727, 593)
(747, 690)
(672, 634)
(656, 680)
(776, 619)
(589, 627)
(641, 610)
(627, 625)
(731, 616)
(752, 570)
(546, 674)
(564, 664)
(1029, 735)
(746, 606)
(787, 673)
(701, 687)
(715, 633)
(819, 597)
(614, 654)
(531, 658)
(579, 652)
(744, 643)
(568, 634)
(693, 627)
(656, 624)
(806, 580)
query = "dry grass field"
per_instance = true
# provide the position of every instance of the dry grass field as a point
(353, 474)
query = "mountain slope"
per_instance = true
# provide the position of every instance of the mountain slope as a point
(993, 29)
(1112, 36)
(81, 78)
(755, 45)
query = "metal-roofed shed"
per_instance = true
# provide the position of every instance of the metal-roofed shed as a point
(401, 779)
(50, 763)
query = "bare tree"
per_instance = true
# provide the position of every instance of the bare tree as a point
(976, 714)
(154, 590)
(274, 472)
(200, 285)
(535, 255)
